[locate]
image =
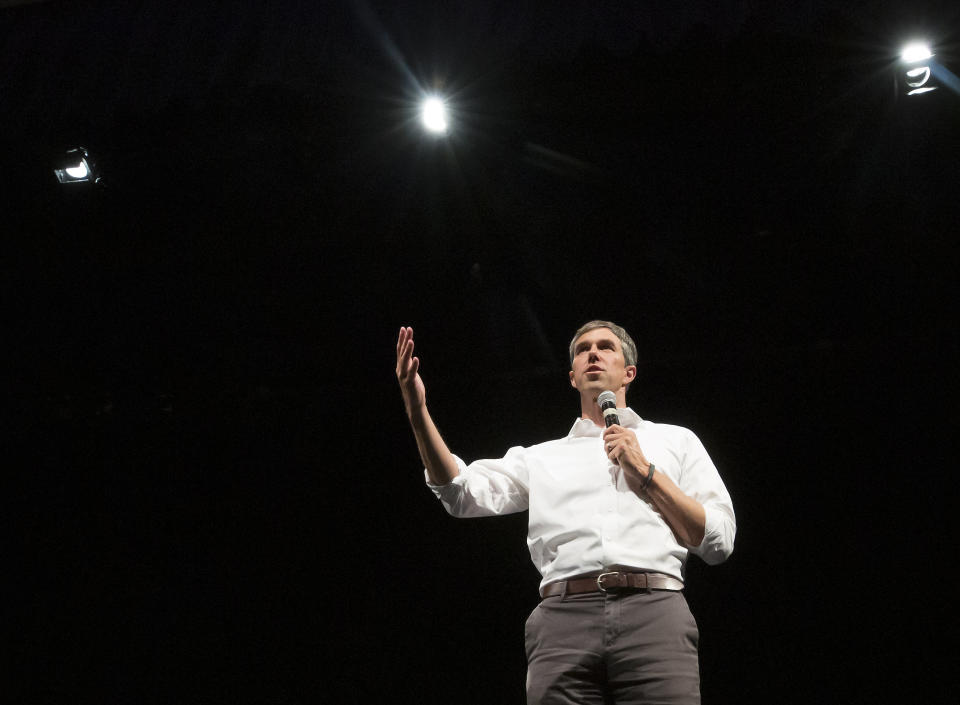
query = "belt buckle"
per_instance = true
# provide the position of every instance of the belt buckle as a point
(600, 577)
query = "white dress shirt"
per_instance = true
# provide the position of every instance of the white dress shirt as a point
(583, 517)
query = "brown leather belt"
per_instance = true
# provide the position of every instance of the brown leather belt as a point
(613, 582)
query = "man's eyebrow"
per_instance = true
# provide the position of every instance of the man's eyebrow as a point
(585, 345)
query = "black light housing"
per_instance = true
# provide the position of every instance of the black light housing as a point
(76, 167)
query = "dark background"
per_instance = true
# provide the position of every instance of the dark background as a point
(213, 493)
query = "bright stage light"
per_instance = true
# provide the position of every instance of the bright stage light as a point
(74, 167)
(77, 172)
(434, 115)
(916, 51)
(916, 69)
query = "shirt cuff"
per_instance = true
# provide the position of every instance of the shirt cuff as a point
(718, 534)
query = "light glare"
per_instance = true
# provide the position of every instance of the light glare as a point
(917, 51)
(75, 167)
(77, 172)
(435, 115)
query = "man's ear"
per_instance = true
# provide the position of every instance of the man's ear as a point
(630, 374)
(573, 382)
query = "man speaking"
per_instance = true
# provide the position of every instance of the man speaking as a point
(615, 508)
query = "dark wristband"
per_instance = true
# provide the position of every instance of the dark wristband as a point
(646, 483)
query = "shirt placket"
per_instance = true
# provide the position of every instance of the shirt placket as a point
(609, 517)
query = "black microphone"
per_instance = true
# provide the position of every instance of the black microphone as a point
(608, 405)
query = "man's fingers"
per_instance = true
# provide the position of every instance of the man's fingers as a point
(407, 354)
(407, 364)
(404, 345)
(613, 453)
(406, 334)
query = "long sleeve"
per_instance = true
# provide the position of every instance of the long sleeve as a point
(487, 487)
(701, 481)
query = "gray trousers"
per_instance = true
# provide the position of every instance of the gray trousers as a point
(628, 648)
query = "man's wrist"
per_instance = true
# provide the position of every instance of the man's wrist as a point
(413, 405)
(651, 469)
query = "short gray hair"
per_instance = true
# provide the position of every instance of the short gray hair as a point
(626, 342)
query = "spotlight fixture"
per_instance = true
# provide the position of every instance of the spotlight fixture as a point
(434, 115)
(76, 167)
(915, 72)
(916, 51)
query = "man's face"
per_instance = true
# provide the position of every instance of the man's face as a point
(598, 363)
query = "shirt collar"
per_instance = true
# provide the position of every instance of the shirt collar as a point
(585, 427)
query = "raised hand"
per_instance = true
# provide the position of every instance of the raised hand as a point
(408, 366)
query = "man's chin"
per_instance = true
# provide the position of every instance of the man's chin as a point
(594, 387)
